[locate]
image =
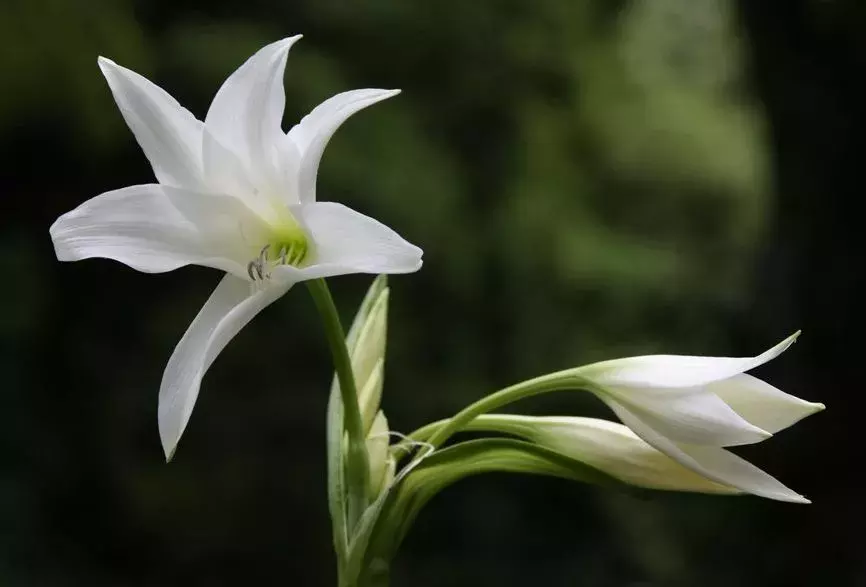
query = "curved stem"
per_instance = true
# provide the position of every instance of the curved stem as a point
(357, 468)
(437, 433)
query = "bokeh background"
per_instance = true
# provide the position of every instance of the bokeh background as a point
(588, 179)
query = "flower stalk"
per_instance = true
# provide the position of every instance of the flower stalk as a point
(357, 468)
(435, 434)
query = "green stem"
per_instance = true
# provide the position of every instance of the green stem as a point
(438, 433)
(357, 468)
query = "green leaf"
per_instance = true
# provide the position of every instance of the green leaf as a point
(445, 467)
(363, 534)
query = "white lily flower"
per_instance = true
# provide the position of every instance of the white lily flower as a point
(608, 446)
(235, 193)
(689, 407)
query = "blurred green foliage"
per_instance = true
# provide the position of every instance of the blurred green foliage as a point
(587, 178)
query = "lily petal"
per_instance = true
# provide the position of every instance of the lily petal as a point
(695, 418)
(138, 226)
(229, 308)
(608, 446)
(168, 133)
(351, 242)
(225, 225)
(247, 111)
(674, 371)
(762, 404)
(224, 171)
(312, 133)
(714, 463)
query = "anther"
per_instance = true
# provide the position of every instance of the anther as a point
(263, 254)
(256, 267)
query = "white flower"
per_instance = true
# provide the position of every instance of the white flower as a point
(690, 407)
(607, 446)
(235, 193)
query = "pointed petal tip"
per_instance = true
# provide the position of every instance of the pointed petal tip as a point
(750, 434)
(106, 65)
(788, 496)
(385, 94)
(785, 494)
(373, 95)
(786, 343)
(794, 498)
(169, 447)
(287, 42)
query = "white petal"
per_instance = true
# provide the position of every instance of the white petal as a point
(225, 225)
(289, 170)
(762, 404)
(312, 134)
(696, 418)
(224, 172)
(714, 463)
(138, 226)
(671, 371)
(168, 134)
(349, 242)
(246, 114)
(615, 449)
(230, 307)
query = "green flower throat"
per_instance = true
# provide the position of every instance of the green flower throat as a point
(288, 245)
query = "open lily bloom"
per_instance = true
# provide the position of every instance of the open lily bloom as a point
(690, 407)
(235, 193)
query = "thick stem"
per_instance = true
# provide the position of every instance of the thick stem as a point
(357, 468)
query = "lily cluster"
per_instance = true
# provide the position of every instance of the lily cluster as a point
(237, 193)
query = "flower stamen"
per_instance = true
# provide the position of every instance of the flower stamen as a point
(256, 267)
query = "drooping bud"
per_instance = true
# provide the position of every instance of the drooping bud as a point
(614, 449)
(618, 451)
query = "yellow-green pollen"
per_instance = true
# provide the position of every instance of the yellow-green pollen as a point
(288, 245)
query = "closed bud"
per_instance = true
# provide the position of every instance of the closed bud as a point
(382, 465)
(368, 352)
(618, 451)
(366, 343)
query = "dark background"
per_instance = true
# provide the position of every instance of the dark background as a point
(588, 179)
